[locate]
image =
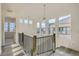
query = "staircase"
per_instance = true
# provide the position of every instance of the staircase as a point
(13, 50)
(17, 50)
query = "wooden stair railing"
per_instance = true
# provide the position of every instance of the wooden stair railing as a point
(34, 44)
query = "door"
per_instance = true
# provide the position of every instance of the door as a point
(9, 30)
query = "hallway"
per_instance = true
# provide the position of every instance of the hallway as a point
(39, 29)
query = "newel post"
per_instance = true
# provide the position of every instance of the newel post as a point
(33, 51)
(54, 42)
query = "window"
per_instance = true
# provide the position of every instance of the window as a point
(50, 21)
(6, 28)
(42, 25)
(12, 27)
(51, 30)
(65, 25)
(38, 27)
(21, 21)
(60, 30)
(69, 30)
(9, 27)
(64, 30)
(65, 19)
(25, 21)
(30, 21)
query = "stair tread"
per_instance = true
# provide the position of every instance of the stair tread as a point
(18, 52)
(14, 45)
(16, 49)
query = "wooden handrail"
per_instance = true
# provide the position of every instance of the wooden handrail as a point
(44, 36)
(54, 42)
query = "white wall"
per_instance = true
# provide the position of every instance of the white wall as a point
(0, 29)
(35, 12)
(75, 28)
(72, 42)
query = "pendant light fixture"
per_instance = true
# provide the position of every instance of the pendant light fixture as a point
(43, 24)
(29, 21)
(44, 15)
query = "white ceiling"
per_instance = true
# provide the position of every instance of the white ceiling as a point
(53, 10)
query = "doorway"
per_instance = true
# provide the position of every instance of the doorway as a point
(9, 30)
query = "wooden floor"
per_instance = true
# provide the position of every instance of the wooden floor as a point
(61, 51)
(16, 50)
(12, 50)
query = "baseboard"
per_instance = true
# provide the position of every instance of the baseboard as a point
(68, 48)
